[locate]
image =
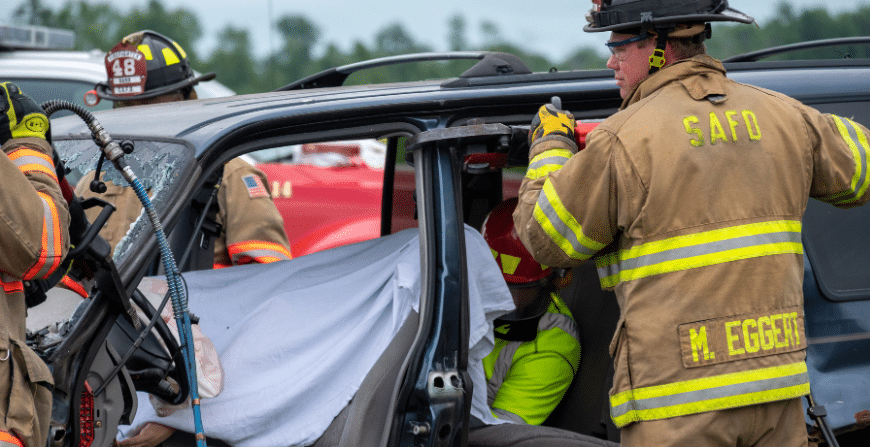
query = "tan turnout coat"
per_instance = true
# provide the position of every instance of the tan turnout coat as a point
(251, 227)
(34, 239)
(690, 201)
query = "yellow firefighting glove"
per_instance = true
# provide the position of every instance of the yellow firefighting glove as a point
(20, 116)
(551, 122)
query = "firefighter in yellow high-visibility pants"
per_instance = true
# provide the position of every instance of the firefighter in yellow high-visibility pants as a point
(690, 201)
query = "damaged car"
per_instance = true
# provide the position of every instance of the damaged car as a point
(455, 148)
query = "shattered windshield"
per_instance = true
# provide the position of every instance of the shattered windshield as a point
(160, 166)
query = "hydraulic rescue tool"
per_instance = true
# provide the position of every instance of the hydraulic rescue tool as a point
(65, 359)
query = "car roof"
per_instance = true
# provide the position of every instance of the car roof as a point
(589, 94)
(202, 122)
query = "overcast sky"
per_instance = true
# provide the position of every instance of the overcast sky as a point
(554, 30)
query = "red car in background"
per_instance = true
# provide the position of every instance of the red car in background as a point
(349, 176)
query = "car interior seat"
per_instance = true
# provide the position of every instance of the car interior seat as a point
(364, 419)
(585, 408)
(520, 435)
(578, 421)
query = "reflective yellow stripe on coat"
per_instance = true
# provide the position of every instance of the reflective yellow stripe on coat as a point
(857, 142)
(547, 162)
(700, 250)
(710, 394)
(561, 226)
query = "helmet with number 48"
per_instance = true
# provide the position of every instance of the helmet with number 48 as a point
(147, 64)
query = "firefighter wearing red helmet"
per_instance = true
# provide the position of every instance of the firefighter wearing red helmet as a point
(537, 346)
(149, 68)
(689, 200)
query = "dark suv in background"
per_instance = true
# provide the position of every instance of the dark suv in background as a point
(464, 141)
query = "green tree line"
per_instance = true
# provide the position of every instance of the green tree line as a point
(101, 25)
(790, 26)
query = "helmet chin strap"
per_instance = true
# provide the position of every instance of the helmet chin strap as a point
(657, 59)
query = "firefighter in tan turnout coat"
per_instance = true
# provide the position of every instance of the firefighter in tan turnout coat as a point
(689, 200)
(35, 238)
(149, 68)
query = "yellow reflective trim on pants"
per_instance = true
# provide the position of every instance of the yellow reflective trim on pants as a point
(857, 142)
(710, 393)
(562, 227)
(547, 162)
(700, 250)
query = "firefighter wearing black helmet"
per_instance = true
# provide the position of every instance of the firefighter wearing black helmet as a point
(690, 200)
(149, 68)
(146, 68)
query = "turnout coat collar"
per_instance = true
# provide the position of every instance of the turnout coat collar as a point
(701, 75)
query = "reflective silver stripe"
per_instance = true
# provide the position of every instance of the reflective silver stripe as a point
(698, 250)
(49, 226)
(562, 228)
(855, 192)
(500, 370)
(547, 162)
(710, 393)
(552, 320)
(260, 253)
(551, 160)
(33, 160)
(508, 416)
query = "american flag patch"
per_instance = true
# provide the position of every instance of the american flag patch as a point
(255, 186)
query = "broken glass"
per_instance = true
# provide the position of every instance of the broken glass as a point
(159, 165)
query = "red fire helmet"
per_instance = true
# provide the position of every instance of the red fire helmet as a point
(517, 264)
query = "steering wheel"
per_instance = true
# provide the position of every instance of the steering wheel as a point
(153, 362)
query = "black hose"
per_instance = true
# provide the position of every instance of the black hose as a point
(58, 104)
(54, 105)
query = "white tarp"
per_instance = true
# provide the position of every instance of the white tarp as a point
(296, 338)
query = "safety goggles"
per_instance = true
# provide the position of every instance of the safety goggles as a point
(612, 46)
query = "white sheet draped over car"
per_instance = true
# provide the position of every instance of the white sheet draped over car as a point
(296, 338)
